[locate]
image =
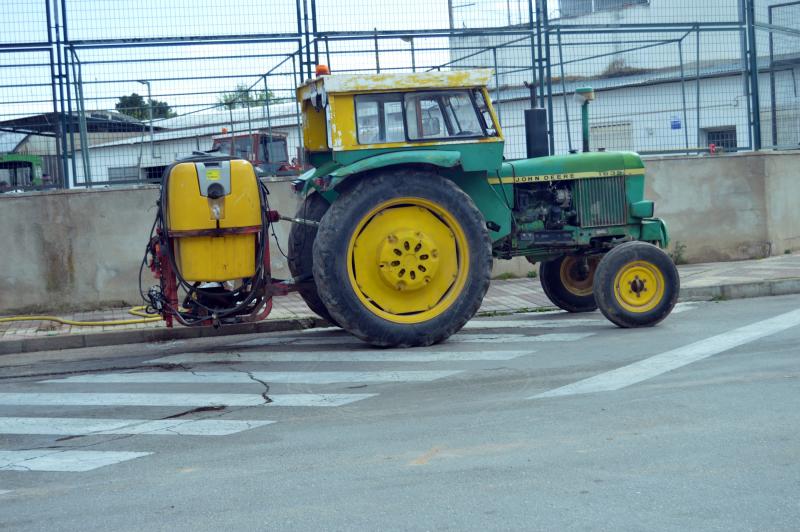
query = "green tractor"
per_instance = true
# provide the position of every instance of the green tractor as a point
(414, 200)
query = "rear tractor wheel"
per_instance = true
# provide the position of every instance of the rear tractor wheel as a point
(402, 259)
(567, 282)
(636, 285)
(301, 242)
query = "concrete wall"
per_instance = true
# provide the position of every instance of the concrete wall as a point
(81, 249)
(728, 207)
(78, 249)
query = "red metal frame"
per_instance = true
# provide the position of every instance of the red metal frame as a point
(161, 266)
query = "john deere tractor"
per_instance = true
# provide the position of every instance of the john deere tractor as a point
(414, 200)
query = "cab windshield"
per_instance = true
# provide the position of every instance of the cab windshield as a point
(416, 116)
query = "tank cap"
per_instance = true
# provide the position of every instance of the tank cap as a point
(215, 191)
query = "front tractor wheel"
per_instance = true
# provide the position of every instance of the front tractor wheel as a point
(402, 259)
(636, 285)
(567, 281)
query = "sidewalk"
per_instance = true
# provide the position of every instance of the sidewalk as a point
(722, 280)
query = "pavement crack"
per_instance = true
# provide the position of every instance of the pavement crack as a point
(210, 408)
(253, 378)
(168, 367)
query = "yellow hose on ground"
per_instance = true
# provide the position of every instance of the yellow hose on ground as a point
(136, 311)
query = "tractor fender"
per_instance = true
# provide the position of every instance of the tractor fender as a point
(493, 207)
(655, 230)
(440, 158)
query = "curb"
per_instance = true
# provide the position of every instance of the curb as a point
(135, 336)
(776, 287)
(772, 287)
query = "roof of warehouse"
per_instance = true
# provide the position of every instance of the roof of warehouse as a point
(207, 123)
(96, 121)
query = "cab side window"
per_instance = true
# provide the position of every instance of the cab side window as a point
(379, 118)
(442, 114)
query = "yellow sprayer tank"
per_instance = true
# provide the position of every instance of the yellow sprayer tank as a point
(214, 214)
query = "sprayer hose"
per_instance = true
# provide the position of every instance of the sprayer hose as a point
(136, 311)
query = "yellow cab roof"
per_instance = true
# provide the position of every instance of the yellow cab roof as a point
(360, 83)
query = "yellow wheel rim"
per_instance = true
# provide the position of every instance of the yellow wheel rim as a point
(408, 260)
(639, 286)
(573, 280)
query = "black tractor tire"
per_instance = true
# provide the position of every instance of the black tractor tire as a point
(636, 285)
(301, 246)
(566, 285)
(412, 214)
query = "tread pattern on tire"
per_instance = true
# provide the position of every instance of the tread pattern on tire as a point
(604, 281)
(550, 279)
(330, 248)
(301, 240)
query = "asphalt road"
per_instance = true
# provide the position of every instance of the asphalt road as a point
(524, 422)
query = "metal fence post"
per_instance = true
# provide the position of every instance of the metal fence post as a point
(564, 87)
(772, 103)
(683, 95)
(697, 75)
(753, 57)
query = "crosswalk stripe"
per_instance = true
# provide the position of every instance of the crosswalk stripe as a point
(656, 365)
(94, 426)
(178, 399)
(532, 324)
(457, 338)
(518, 338)
(272, 377)
(394, 355)
(338, 341)
(63, 461)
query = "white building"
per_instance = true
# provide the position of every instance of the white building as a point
(658, 89)
(144, 157)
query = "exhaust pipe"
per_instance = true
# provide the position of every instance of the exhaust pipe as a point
(536, 140)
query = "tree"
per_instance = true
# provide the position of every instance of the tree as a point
(135, 106)
(243, 96)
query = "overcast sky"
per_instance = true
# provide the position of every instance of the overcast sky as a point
(109, 73)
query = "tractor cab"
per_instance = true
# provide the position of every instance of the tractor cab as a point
(354, 118)
(267, 152)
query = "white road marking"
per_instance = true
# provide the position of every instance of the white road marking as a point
(330, 340)
(460, 337)
(64, 461)
(236, 377)
(294, 338)
(676, 358)
(683, 307)
(178, 399)
(394, 355)
(532, 324)
(85, 426)
(518, 338)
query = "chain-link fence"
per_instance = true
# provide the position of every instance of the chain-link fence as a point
(96, 93)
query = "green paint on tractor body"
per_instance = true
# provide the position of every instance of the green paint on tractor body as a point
(541, 208)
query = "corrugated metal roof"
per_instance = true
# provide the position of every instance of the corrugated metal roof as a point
(210, 123)
(9, 141)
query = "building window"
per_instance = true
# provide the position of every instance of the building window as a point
(577, 8)
(123, 173)
(722, 138)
